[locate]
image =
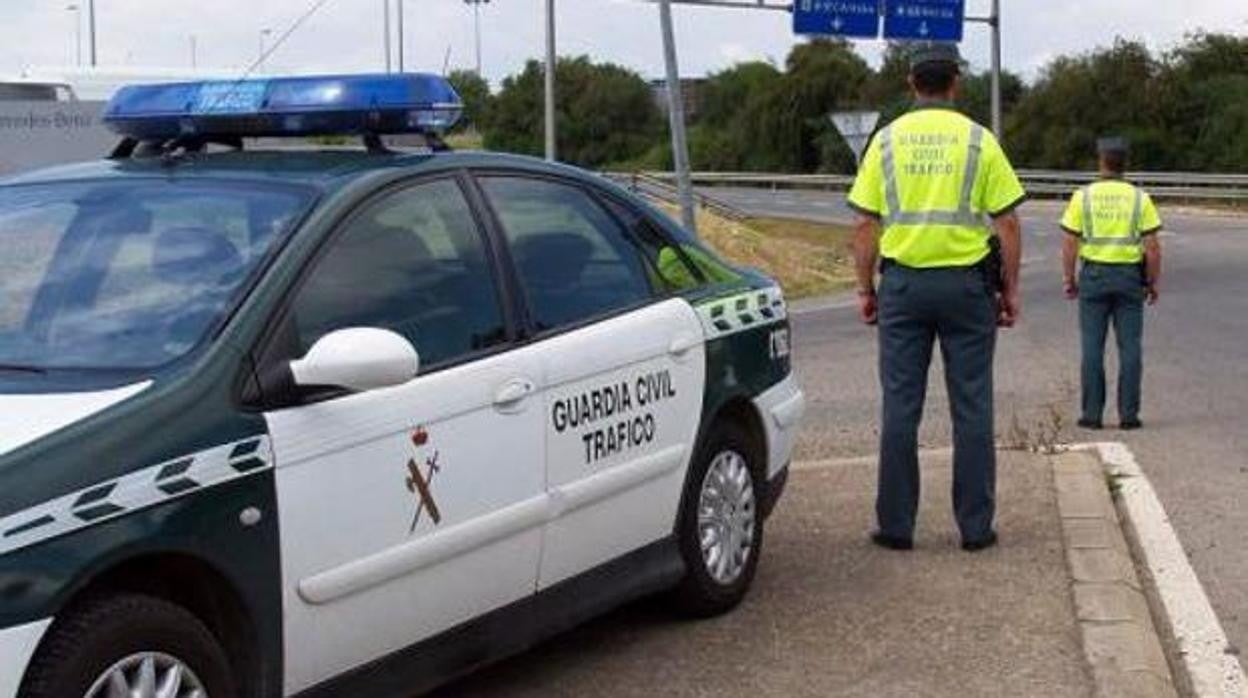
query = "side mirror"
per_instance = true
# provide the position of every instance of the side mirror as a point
(357, 359)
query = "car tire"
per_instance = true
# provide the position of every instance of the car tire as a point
(125, 634)
(727, 464)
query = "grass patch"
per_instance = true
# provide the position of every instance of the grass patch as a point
(466, 140)
(807, 258)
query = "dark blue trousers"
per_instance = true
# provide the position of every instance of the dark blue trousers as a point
(917, 308)
(1111, 293)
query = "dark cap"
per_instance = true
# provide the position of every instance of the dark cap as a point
(934, 52)
(1112, 144)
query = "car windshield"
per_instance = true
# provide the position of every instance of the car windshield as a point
(128, 275)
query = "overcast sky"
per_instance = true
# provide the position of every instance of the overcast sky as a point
(346, 35)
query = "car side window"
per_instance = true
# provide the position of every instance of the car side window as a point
(412, 262)
(671, 268)
(574, 260)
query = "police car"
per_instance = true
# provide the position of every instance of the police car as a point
(350, 422)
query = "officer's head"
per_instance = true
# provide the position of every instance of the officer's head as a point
(935, 68)
(1112, 152)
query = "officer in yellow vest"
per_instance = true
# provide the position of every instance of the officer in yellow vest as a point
(1112, 226)
(932, 189)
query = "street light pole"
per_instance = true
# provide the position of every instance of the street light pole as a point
(77, 10)
(399, 16)
(194, 52)
(551, 150)
(676, 117)
(260, 58)
(385, 9)
(91, 27)
(476, 8)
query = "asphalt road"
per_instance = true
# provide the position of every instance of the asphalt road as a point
(1195, 444)
(832, 615)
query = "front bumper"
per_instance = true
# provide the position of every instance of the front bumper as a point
(781, 408)
(17, 646)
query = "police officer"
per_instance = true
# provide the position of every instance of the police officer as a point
(1112, 226)
(936, 185)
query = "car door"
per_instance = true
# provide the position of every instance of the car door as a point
(409, 510)
(624, 364)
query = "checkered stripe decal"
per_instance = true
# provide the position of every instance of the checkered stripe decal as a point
(744, 311)
(135, 491)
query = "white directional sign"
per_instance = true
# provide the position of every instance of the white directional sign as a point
(856, 128)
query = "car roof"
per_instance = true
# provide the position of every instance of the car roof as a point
(328, 169)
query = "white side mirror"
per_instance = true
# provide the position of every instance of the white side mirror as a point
(359, 359)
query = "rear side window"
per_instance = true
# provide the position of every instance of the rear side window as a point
(413, 263)
(574, 260)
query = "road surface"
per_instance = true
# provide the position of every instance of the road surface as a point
(1195, 444)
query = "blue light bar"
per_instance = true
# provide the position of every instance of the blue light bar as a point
(286, 107)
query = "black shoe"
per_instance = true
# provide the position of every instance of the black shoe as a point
(1090, 423)
(891, 542)
(974, 546)
(1131, 424)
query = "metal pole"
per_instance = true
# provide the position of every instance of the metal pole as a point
(385, 8)
(194, 53)
(91, 28)
(551, 149)
(676, 117)
(77, 10)
(260, 60)
(997, 128)
(476, 8)
(399, 11)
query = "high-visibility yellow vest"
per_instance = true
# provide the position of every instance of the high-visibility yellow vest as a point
(1111, 217)
(934, 177)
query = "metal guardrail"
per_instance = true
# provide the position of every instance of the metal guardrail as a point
(1181, 186)
(657, 187)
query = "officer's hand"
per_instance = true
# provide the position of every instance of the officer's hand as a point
(1071, 289)
(1009, 307)
(1151, 294)
(868, 307)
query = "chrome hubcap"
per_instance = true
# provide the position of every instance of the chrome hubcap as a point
(726, 515)
(148, 675)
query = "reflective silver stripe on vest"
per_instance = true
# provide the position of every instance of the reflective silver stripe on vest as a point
(1136, 211)
(1133, 234)
(964, 216)
(888, 158)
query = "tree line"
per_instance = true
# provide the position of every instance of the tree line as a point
(1184, 109)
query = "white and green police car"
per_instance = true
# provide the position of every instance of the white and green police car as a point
(290, 422)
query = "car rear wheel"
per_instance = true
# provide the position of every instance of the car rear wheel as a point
(129, 645)
(720, 531)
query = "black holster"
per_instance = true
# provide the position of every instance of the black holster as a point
(994, 267)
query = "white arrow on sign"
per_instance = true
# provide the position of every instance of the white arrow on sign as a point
(856, 128)
(837, 23)
(923, 30)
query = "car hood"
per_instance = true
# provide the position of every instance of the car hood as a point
(26, 418)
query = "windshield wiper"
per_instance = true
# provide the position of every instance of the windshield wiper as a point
(19, 368)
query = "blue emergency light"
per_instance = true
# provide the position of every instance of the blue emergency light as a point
(370, 105)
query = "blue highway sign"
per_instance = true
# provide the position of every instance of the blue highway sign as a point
(925, 20)
(860, 18)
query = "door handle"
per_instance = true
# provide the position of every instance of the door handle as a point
(682, 344)
(513, 393)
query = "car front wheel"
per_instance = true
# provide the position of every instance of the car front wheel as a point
(720, 531)
(129, 645)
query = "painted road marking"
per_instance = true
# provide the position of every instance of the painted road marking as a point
(1203, 646)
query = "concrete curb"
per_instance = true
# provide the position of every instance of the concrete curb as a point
(1119, 639)
(1201, 654)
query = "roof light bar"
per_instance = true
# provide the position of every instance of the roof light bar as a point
(286, 107)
